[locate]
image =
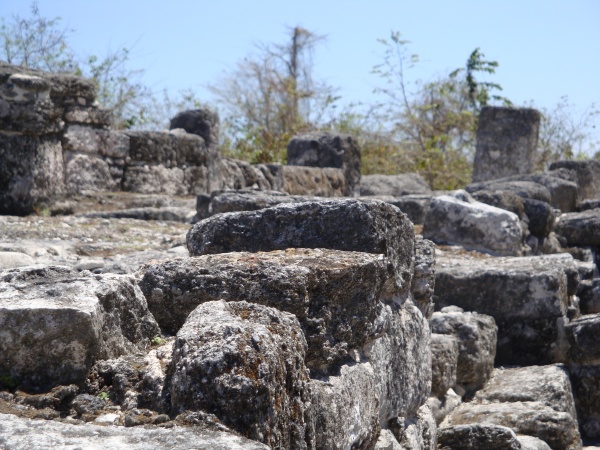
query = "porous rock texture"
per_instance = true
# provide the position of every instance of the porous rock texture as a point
(423, 281)
(244, 363)
(587, 176)
(486, 436)
(329, 150)
(476, 337)
(55, 322)
(460, 220)
(25, 434)
(335, 295)
(252, 200)
(352, 225)
(415, 206)
(542, 406)
(580, 228)
(394, 185)
(444, 359)
(528, 297)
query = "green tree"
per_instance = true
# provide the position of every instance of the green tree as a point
(430, 130)
(272, 95)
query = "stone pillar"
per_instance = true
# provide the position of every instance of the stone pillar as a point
(506, 142)
(328, 150)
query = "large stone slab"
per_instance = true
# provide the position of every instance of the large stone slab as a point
(460, 220)
(252, 200)
(476, 336)
(506, 142)
(351, 225)
(394, 185)
(244, 363)
(528, 297)
(484, 436)
(329, 150)
(336, 295)
(55, 322)
(26, 434)
(317, 181)
(587, 174)
(80, 138)
(170, 149)
(580, 228)
(535, 401)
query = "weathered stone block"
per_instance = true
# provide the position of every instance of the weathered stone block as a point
(317, 181)
(97, 117)
(423, 282)
(506, 142)
(476, 335)
(23, 434)
(31, 173)
(580, 229)
(170, 149)
(195, 178)
(328, 150)
(414, 206)
(527, 297)
(151, 179)
(252, 200)
(55, 322)
(394, 185)
(478, 436)
(541, 217)
(473, 225)
(444, 359)
(501, 199)
(88, 173)
(202, 122)
(335, 295)
(244, 363)
(584, 334)
(524, 189)
(351, 225)
(587, 174)
(534, 401)
(84, 139)
(585, 380)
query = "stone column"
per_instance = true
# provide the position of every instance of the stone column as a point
(506, 142)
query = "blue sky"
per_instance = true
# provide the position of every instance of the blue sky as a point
(546, 49)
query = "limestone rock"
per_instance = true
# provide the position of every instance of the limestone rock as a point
(583, 334)
(585, 379)
(415, 206)
(528, 297)
(25, 434)
(154, 179)
(423, 281)
(88, 173)
(31, 173)
(78, 138)
(167, 148)
(501, 199)
(580, 229)
(251, 200)
(11, 260)
(524, 189)
(587, 175)
(589, 296)
(444, 358)
(394, 185)
(202, 122)
(419, 432)
(541, 217)
(54, 323)
(328, 150)
(317, 181)
(478, 436)
(506, 142)
(473, 225)
(350, 225)
(335, 295)
(244, 363)
(476, 338)
(344, 412)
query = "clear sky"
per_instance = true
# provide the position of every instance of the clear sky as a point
(546, 48)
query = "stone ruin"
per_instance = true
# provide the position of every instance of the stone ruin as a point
(308, 307)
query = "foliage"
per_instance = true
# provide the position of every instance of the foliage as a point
(103, 396)
(271, 96)
(567, 135)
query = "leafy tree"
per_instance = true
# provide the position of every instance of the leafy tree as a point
(272, 95)
(432, 129)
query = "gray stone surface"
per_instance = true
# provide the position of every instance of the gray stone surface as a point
(394, 185)
(476, 336)
(541, 217)
(506, 142)
(351, 225)
(88, 173)
(317, 181)
(167, 148)
(336, 295)
(244, 363)
(344, 412)
(419, 432)
(26, 434)
(473, 225)
(501, 199)
(528, 297)
(54, 323)
(587, 174)
(11, 260)
(444, 362)
(329, 150)
(584, 334)
(524, 189)
(477, 437)
(154, 179)
(202, 122)
(414, 206)
(580, 228)
(589, 296)
(423, 281)
(585, 379)
(252, 200)
(31, 173)
(534, 401)
(84, 139)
